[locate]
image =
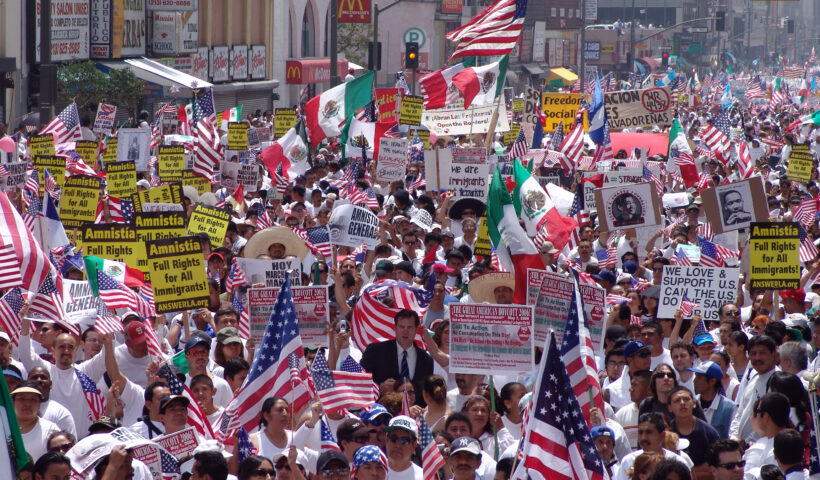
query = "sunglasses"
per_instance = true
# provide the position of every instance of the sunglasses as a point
(265, 473)
(732, 313)
(666, 375)
(339, 472)
(732, 465)
(401, 440)
(280, 466)
(644, 354)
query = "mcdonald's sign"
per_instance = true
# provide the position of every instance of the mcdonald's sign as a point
(354, 11)
(315, 70)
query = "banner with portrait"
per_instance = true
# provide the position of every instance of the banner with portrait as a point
(736, 205)
(627, 206)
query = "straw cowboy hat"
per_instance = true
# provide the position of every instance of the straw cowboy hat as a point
(261, 241)
(481, 288)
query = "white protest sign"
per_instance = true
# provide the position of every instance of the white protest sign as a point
(352, 226)
(709, 287)
(620, 177)
(79, 302)
(234, 173)
(162, 207)
(491, 338)
(312, 312)
(444, 121)
(105, 119)
(271, 272)
(133, 146)
(392, 161)
(638, 108)
(552, 307)
(465, 171)
(17, 176)
(180, 444)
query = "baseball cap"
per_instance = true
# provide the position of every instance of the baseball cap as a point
(163, 404)
(144, 184)
(104, 424)
(602, 431)
(703, 338)
(798, 295)
(605, 276)
(406, 267)
(350, 428)
(630, 267)
(228, 335)
(5, 336)
(367, 454)
(442, 268)
(13, 374)
(632, 347)
(328, 456)
(709, 368)
(653, 291)
(301, 458)
(136, 333)
(217, 255)
(465, 444)
(385, 265)
(375, 411)
(197, 340)
(403, 422)
(548, 247)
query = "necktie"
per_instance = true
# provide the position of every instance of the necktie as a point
(404, 373)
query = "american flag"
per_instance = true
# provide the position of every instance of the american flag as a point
(604, 151)
(416, 149)
(77, 166)
(4, 172)
(754, 91)
(793, 73)
(557, 136)
(48, 302)
(268, 375)
(95, 400)
(328, 441)
(107, 324)
(373, 320)
(573, 148)
(367, 454)
(681, 259)
(807, 251)
(519, 147)
(744, 162)
(66, 126)
(358, 254)
(263, 220)
(196, 416)
(10, 306)
(777, 98)
(116, 295)
(50, 185)
(208, 150)
(10, 275)
(319, 238)
(652, 178)
(709, 255)
(687, 307)
(431, 458)
(32, 262)
(700, 329)
(608, 257)
(244, 445)
(352, 366)
(715, 139)
(156, 131)
(418, 183)
(115, 210)
(579, 357)
(338, 390)
(236, 277)
(31, 194)
(494, 31)
(557, 443)
(806, 212)
(244, 326)
(281, 180)
(615, 299)
(682, 158)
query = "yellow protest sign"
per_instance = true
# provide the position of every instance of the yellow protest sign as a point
(284, 119)
(511, 134)
(237, 136)
(774, 258)
(121, 178)
(424, 135)
(178, 275)
(41, 145)
(157, 225)
(112, 241)
(211, 221)
(110, 155)
(518, 105)
(78, 201)
(559, 107)
(800, 164)
(482, 242)
(87, 150)
(411, 108)
(55, 166)
(171, 163)
(201, 184)
(163, 194)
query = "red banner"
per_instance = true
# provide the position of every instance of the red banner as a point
(387, 99)
(354, 11)
(451, 6)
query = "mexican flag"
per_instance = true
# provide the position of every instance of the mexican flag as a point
(290, 150)
(678, 143)
(119, 271)
(356, 135)
(13, 456)
(327, 111)
(481, 85)
(435, 86)
(535, 207)
(517, 252)
(231, 115)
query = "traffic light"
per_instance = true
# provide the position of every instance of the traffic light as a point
(665, 59)
(411, 55)
(374, 56)
(720, 22)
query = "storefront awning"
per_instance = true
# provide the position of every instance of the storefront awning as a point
(561, 73)
(312, 70)
(640, 67)
(534, 70)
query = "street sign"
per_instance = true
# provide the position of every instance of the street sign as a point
(699, 29)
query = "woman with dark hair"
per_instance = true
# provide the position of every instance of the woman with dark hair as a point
(434, 393)
(736, 348)
(670, 470)
(511, 393)
(662, 381)
(792, 387)
(256, 467)
(273, 436)
(482, 421)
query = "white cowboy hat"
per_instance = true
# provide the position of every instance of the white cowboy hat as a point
(481, 288)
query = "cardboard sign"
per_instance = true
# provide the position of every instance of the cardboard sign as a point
(210, 220)
(171, 163)
(352, 226)
(621, 177)
(87, 150)
(135, 147)
(710, 287)
(774, 257)
(735, 205)
(112, 241)
(178, 275)
(180, 444)
(518, 105)
(638, 108)
(392, 161)
(264, 134)
(482, 245)
(312, 312)
(387, 99)
(512, 134)
(560, 107)
(105, 119)
(237, 136)
(234, 173)
(272, 273)
(78, 202)
(452, 122)
(491, 338)
(800, 164)
(411, 108)
(121, 179)
(627, 206)
(463, 170)
(163, 194)
(18, 174)
(111, 147)
(553, 297)
(157, 225)
(201, 184)
(41, 145)
(80, 304)
(284, 119)
(55, 166)
(531, 101)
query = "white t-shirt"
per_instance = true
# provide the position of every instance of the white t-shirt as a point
(35, 439)
(59, 415)
(132, 367)
(456, 400)
(213, 418)
(414, 472)
(223, 395)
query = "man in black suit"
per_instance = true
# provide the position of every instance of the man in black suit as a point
(400, 358)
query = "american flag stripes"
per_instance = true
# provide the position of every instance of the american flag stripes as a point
(236, 277)
(33, 263)
(263, 219)
(107, 324)
(573, 148)
(338, 390)
(714, 138)
(681, 259)
(431, 458)
(196, 416)
(95, 400)
(494, 31)
(352, 366)
(208, 150)
(65, 127)
(682, 158)
(328, 441)
(687, 307)
(9, 268)
(754, 91)
(519, 147)
(10, 306)
(114, 210)
(268, 375)
(48, 302)
(116, 295)
(373, 320)
(745, 166)
(709, 255)
(319, 237)
(244, 326)
(807, 251)
(557, 442)
(652, 178)
(806, 212)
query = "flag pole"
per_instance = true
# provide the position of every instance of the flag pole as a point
(492, 409)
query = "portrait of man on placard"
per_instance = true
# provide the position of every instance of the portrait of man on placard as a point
(627, 209)
(735, 206)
